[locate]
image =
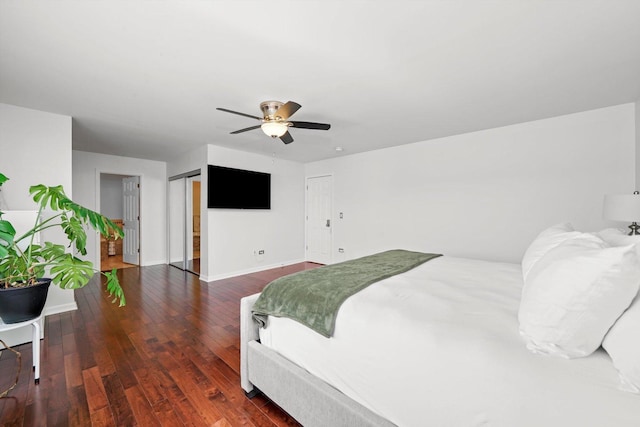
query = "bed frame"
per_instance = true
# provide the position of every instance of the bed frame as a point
(309, 400)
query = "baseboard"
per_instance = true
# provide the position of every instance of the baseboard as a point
(150, 263)
(60, 308)
(234, 273)
(248, 271)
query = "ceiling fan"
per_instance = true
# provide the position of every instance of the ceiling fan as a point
(274, 120)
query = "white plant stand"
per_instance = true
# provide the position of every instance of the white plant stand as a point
(35, 340)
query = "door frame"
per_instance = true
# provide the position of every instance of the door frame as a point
(98, 180)
(306, 214)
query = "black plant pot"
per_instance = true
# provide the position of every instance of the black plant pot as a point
(22, 304)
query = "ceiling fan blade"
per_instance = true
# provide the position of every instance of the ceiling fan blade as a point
(240, 114)
(287, 138)
(245, 129)
(287, 110)
(310, 125)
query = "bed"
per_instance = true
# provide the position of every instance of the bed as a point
(440, 344)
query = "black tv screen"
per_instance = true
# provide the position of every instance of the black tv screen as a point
(230, 188)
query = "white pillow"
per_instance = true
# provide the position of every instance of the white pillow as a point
(622, 342)
(574, 294)
(545, 241)
(618, 237)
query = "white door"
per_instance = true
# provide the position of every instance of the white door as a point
(131, 220)
(319, 220)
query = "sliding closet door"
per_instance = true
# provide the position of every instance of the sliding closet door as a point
(192, 238)
(184, 222)
(177, 229)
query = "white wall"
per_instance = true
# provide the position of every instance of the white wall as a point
(484, 194)
(153, 177)
(234, 234)
(637, 107)
(111, 197)
(229, 237)
(36, 149)
(188, 162)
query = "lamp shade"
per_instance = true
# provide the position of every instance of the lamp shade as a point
(274, 129)
(621, 207)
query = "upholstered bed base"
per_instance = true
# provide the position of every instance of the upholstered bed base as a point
(306, 398)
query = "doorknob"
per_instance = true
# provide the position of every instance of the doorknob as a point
(328, 223)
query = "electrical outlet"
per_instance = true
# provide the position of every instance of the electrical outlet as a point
(261, 252)
(341, 250)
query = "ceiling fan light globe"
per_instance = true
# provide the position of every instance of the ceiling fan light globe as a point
(274, 129)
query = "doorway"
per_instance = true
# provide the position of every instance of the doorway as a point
(185, 221)
(120, 202)
(319, 220)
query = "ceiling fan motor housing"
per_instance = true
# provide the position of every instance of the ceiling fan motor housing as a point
(270, 108)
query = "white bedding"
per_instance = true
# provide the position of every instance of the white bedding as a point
(439, 346)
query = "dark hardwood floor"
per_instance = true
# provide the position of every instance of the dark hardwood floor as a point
(169, 358)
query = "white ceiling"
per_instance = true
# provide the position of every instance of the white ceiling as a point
(143, 78)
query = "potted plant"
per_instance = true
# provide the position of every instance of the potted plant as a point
(27, 268)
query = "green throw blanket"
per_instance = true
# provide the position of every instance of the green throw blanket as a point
(313, 297)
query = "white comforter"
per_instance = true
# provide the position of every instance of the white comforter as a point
(439, 346)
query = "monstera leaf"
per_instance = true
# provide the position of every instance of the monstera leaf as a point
(57, 200)
(7, 233)
(22, 267)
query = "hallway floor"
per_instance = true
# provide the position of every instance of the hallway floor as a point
(114, 261)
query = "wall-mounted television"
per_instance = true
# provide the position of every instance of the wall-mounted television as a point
(230, 188)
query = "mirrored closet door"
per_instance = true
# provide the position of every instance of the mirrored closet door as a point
(184, 221)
